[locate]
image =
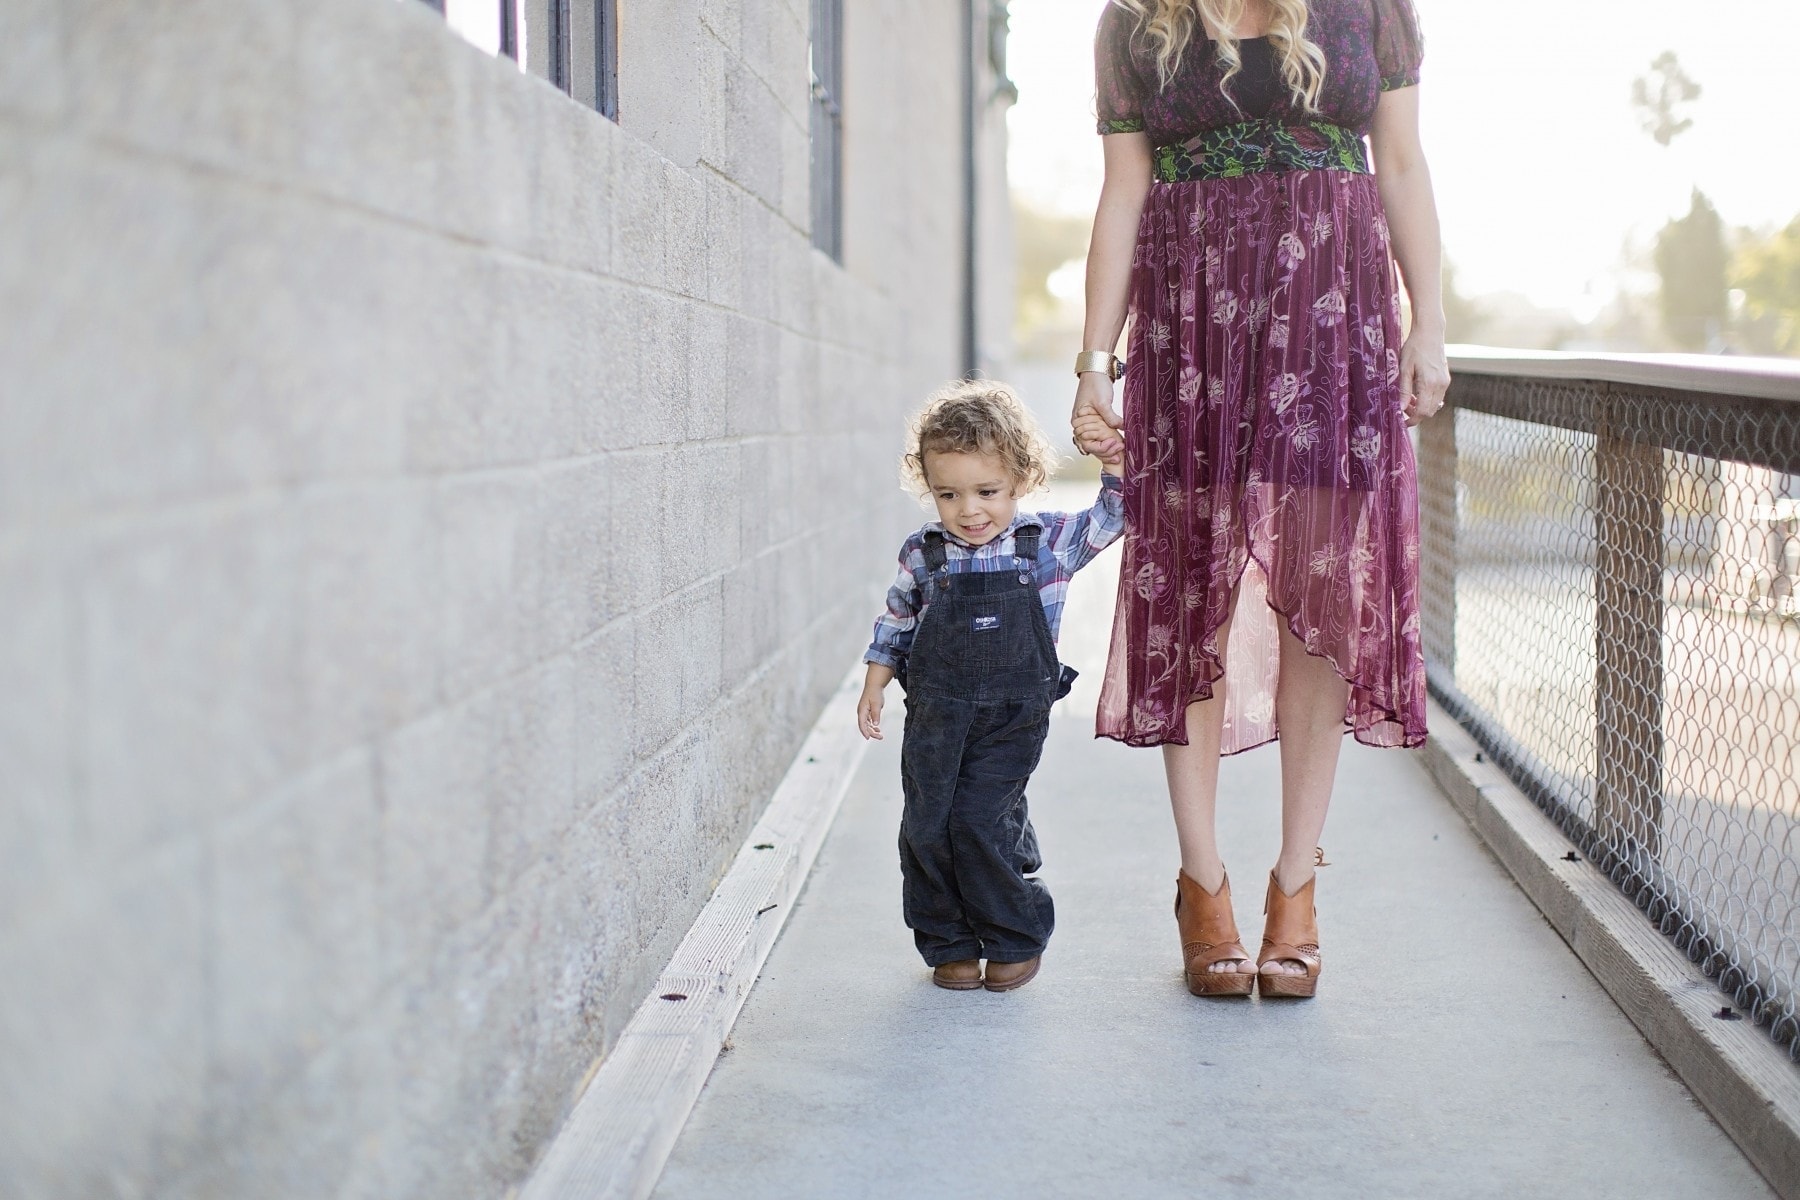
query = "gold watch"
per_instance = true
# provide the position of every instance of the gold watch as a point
(1103, 361)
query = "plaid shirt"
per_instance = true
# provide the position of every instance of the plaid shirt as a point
(1072, 540)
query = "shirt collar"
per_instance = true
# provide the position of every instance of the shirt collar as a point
(1019, 518)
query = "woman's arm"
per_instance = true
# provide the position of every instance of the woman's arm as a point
(1405, 183)
(1110, 251)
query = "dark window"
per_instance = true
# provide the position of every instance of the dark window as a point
(556, 36)
(828, 126)
(593, 41)
(571, 43)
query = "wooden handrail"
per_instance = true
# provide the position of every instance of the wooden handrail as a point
(1705, 374)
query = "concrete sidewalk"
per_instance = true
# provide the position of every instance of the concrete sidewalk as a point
(1457, 1047)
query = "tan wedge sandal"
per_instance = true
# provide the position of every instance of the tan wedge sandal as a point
(1291, 934)
(1209, 935)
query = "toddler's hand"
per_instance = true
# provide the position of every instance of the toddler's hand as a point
(1099, 439)
(868, 715)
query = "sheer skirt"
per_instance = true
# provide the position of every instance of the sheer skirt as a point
(1269, 475)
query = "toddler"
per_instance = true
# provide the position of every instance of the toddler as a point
(970, 631)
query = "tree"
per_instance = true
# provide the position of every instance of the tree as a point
(1692, 261)
(1690, 251)
(1768, 271)
(1660, 95)
(1044, 242)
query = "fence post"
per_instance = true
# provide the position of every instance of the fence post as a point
(1437, 537)
(1628, 625)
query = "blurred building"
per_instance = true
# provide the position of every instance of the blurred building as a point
(446, 461)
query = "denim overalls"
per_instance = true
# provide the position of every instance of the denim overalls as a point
(980, 679)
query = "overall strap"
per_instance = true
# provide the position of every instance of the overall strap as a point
(935, 558)
(1025, 541)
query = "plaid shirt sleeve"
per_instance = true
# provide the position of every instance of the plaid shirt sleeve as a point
(1075, 538)
(894, 627)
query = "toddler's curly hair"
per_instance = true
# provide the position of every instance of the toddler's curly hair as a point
(978, 416)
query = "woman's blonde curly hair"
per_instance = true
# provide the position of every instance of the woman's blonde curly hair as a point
(978, 416)
(1172, 24)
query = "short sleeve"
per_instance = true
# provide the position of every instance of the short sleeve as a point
(1118, 96)
(1399, 48)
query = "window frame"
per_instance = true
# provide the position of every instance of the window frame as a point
(560, 60)
(825, 60)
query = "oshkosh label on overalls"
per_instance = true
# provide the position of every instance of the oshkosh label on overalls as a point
(986, 621)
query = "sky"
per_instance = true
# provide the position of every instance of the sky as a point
(1543, 173)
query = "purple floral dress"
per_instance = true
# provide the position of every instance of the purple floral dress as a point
(1268, 471)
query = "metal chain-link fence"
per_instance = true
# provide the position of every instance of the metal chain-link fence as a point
(1611, 610)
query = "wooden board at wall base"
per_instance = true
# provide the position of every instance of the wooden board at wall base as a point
(1746, 1082)
(624, 1126)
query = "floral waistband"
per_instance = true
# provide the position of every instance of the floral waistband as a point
(1258, 147)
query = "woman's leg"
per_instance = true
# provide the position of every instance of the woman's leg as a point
(1193, 774)
(1310, 699)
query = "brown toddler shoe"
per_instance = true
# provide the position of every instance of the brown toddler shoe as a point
(961, 976)
(1004, 977)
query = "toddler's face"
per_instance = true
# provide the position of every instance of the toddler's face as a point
(976, 495)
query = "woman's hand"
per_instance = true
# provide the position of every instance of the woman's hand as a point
(1424, 375)
(1094, 394)
(1108, 285)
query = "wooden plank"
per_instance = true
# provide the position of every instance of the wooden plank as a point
(624, 1126)
(714, 944)
(1732, 1067)
(1437, 537)
(628, 1126)
(1762, 378)
(1628, 649)
(1740, 427)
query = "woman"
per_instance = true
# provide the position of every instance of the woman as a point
(1270, 579)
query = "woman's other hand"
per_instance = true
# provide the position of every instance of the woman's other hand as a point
(1405, 182)
(1424, 376)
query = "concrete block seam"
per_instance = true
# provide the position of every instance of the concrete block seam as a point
(300, 189)
(795, 116)
(724, 703)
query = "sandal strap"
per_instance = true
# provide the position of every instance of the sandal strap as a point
(1204, 955)
(1307, 955)
(1287, 950)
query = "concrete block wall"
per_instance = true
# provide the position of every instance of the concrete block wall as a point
(430, 515)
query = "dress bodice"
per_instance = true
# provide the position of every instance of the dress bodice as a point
(1370, 46)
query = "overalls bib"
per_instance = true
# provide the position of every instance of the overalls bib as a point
(981, 676)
